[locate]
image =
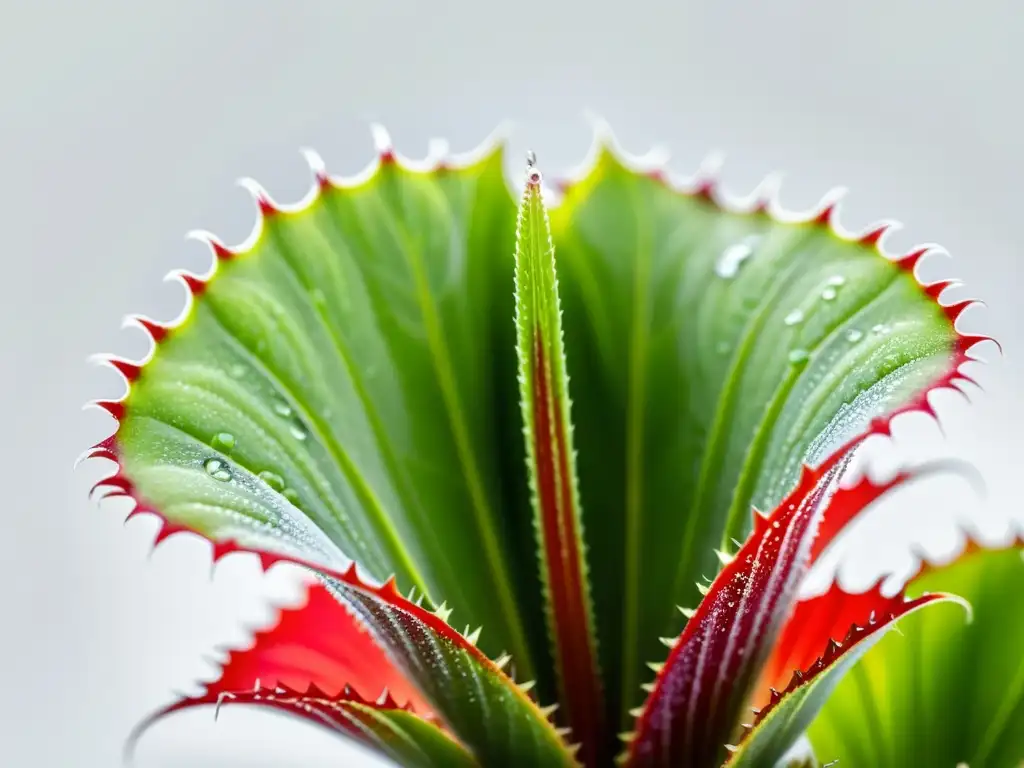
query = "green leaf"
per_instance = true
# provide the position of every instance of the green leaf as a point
(778, 725)
(945, 691)
(551, 459)
(481, 704)
(343, 387)
(330, 389)
(720, 351)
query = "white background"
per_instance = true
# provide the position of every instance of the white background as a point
(124, 124)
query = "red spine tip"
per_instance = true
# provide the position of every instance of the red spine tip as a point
(953, 311)
(323, 181)
(156, 331)
(221, 251)
(114, 407)
(824, 218)
(267, 208)
(966, 341)
(387, 156)
(881, 426)
(195, 284)
(910, 261)
(126, 368)
(705, 190)
(873, 237)
(935, 289)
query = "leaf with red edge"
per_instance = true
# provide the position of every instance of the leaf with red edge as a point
(960, 684)
(318, 643)
(380, 724)
(337, 388)
(473, 696)
(783, 718)
(551, 459)
(699, 691)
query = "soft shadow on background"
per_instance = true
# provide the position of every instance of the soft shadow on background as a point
(125, 124)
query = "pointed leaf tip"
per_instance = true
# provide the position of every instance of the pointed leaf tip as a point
(551, 461)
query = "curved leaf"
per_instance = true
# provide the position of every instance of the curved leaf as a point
(473, 696)
(381, 724)
(699, 691)
(329, 387)
(961, 683)
(337, 390)
(781, 720)
(722, 349)
(319, 643)
(552, 463)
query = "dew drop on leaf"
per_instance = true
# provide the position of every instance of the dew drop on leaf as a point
(828, 294)
(798, 356)
(272, 479)
(732, 258)
(223, 442)
(298, 431)
(236, 371)
(217, 469)
(282, 408)
(853, 335)
(881, 328)
(837, 280)
(794, 317)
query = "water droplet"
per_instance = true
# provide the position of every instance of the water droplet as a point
(732, 258)
(298, 431)
(880, 328)
(223, 442)
(794, 317)
(272, 479)
(828, 294)
(217, 469)
(236, 371)
(853, 335)
(798, 356)
(292, 495)
(282, 408)
(837, 280)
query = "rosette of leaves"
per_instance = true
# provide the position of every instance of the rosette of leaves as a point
(605, 436)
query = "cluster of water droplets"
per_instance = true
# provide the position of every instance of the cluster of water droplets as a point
(224, 443)
(798, 315)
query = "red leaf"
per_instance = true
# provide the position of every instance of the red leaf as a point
(317, 646)
(814, 626)
(847, 503)
(887, 611)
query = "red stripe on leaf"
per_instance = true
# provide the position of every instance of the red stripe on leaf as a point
(699, 692)
(576, 662)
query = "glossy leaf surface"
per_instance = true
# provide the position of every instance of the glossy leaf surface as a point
(552, 470)
(721, 351)
(343, 387)
(960, 682)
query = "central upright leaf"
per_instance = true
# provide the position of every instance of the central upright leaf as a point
(544, 388)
